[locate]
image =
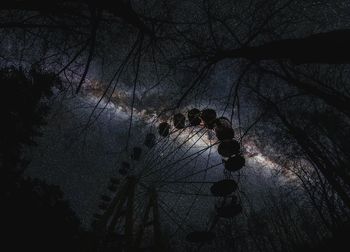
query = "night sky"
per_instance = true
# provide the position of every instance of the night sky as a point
(274, 72)
(82, 160)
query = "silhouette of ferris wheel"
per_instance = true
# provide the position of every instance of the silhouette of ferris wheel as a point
(172, 166)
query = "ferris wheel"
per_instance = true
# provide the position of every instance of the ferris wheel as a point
(185, 164)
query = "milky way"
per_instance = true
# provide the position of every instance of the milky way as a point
(82, 160)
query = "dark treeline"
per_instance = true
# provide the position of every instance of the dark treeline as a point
(285, 59)
(34, 214)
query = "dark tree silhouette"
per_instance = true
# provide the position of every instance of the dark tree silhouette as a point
(22, 111)
(34, 215)
(328, 48)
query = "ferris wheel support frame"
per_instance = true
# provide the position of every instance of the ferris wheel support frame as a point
(126, 197)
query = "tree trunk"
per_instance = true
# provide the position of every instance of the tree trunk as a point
(329, 47)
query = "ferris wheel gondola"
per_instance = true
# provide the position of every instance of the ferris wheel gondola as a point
(223, 187)
(193, 116)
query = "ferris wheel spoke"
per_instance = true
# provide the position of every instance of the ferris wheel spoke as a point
(181, 167)
(171, 173)
(195, 142)
(189, 137)
(169, 140)
(182, 159)
(178, 148)
(167, 213)
(184, 165)
(174, 214)
(207, 164)
(188, 182)
(192, 204)
(198, 172)
(187, 194)
(188, 188)
(194, 155)
(155, 157)
(161, 143)
(139, 206)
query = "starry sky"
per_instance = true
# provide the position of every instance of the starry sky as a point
(82, 159)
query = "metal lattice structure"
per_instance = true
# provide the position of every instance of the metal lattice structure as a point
(140, 199)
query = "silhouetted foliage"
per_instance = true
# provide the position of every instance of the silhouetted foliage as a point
(23, 108)
(34, 215)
